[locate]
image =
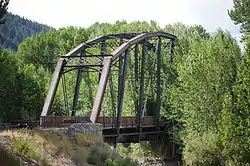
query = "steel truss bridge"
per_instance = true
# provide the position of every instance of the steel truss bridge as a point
(129, 68)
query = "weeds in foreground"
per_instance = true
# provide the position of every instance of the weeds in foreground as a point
(32, 146)
(104, 156)
(53, 148)
(27, 147)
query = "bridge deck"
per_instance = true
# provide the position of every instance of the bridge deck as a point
(108, 122)
(131, 134)
(150, 130)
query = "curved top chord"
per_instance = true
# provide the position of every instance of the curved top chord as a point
(99, 39)
(131, 37)
(140, 38)
(123, 41)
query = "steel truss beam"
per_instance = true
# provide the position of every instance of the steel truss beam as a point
(82, 60)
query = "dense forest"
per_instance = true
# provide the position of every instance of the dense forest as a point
(16, 29)
(207, 92)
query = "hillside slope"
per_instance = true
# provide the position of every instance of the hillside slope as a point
(54, 148)
(17, 28)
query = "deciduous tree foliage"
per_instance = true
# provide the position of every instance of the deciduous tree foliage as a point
(235, 118)
(20, 95)
(234, 125)
(240, 14)
(206, 73)
(44, 49)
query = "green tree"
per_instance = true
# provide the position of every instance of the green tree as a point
(7, 87)
(240, 14)
(20, 95)
(235, 116)
(235, 119)
(40, 50)
(44, 49)
(204, 76)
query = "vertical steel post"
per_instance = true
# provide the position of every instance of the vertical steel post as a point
(120, 66)
(120, 70)
(78, 83)
(158, 81)
(65, 95)
(142, 73)
(136, 72)
(136, 76)
(120, 61)
(112, 97)
(121, 90)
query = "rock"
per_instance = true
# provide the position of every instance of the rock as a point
(88, 129)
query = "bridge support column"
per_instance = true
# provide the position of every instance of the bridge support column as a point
(53, 87)
(101, 89)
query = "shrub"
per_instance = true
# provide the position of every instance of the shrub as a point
(202, 149)
(27, 147)
(101, 155)
(80, 156)
(97, 156)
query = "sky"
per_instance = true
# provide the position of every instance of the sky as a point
(212, 14)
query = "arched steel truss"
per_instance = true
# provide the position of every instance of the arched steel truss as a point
(113, 53)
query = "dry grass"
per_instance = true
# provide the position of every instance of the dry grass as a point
(53, 148)
(46, 148)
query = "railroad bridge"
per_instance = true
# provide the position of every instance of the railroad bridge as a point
(117, 75)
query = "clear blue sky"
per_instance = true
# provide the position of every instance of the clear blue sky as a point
(59, 13)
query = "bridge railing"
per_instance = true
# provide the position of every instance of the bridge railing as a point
(108, 122)
(61, 121)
